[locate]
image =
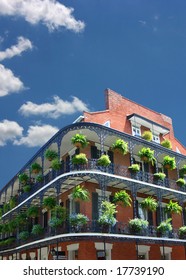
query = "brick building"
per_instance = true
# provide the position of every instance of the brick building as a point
(75, 206)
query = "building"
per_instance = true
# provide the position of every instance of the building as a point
(39, 206)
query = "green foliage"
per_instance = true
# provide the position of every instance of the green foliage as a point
(134, 167)
(13, 202)
(26, 188)
(23, 178)
(147, 155)
(181, 182)
(120, 145)
(49, 202)
(33, 211)
(39, 178)
(167, 144)
(108, 210)
(182, 232)
(147, 135)
(51, 154)
(37, 229)
(56, 164)
(137, 225)
(79, 140)
(23, 235)
(104, 160)
(165, 226)
(149, 203)
(80, 159)
(36, 167)
(79, 192)
(169, 162)
(123, 197)
(78, 219)
(59, 212)
(182, 171)
(159, 176)
(173, 207)
(55, 222)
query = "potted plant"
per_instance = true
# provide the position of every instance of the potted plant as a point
(55, 222)
(107, 218)
(167, 144)
(80, 159)
(49, 202)
(36, 168)
(182, 232)
(26, 188)
(164, 228)
(79, 140)
(51, 154)
(181, 182)
(134, 167)
(13, 202)
(39, 178)
(23, 178)
(80, 193)
(173, 207)
(182, 171)
(37, 229)
(78, 221)
(56, 164)
(33, 211)
(121, 146)
(159, 176)
(169, 162)
(23, 235)
(123, 197)
(147, 155)
(104, 161)
(147, 135)
(149, 203)
(138, 226)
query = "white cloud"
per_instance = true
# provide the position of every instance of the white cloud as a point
(53, 110)
(8, 82)
(9, 131)
(50, 12)
(22, 45)
(36, 136)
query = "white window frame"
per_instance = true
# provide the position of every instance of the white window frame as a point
(167, 251)
(108, 247)
(72, 248)
(156, 138)
(136, 130)
(143, 250)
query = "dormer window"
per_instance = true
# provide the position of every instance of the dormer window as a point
(156, 138)
(136, 131)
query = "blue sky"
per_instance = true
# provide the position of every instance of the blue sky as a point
(58, 57)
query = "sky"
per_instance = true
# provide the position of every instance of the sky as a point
(57, 58)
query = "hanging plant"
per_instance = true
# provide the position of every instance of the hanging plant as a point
(182, 171)
(123, 197)
(121, 146)
(134, 167)
(159, 176)
(181, 182)
(169, 162)
(36, 168)
(147, 135)
(108, 210)
(173, 207)
(182, 232)
(78, 219)
(56, 164)
(149, 203)
(79, 140)
(80, 193)
(37, 229)
(167, 144)
(23, 235)
(147, 155)
(80, 159)
(39, 178)
(59, 212)
(23, 178)
(55, 222)
(49, 202)
(51, 154)
(165, 227)
(137, 226)
(104, 160)
(26, 188)
(33, 211)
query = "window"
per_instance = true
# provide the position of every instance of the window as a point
(107, 124)
(143, 252)
(156, 138)
(165, 253)
(142, 213)
(136, 131)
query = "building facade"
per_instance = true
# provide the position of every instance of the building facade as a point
(93, 200)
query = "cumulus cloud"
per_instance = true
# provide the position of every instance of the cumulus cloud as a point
(9, 131)
(49, 12)
(53, 110)
(37, 135)
(22, 45)
(8, 82)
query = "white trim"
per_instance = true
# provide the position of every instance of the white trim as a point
(100, 246)
(144, 250)
(73, 247)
